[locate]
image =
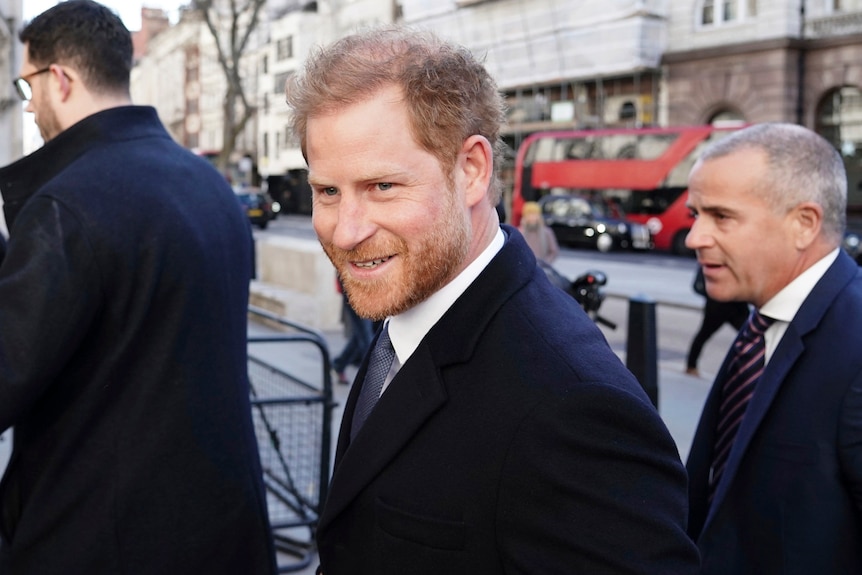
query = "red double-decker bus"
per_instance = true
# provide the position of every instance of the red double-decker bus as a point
(642, 170)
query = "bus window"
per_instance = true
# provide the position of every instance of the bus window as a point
(643, 170)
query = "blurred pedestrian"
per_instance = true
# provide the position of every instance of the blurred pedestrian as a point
(123, 306)
(776, 463)
(715, 314)
(492, 429)
(539, 236)
(359, 339)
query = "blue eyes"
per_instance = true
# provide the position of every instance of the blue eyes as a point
(333, 191)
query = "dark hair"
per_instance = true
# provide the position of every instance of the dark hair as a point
(86, 36)
(450, 95)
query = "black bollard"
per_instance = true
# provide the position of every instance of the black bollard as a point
(642, 345)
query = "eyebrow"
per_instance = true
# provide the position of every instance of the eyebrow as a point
(713, 209)
(362, 178)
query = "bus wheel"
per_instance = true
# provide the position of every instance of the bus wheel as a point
(604, 243)
(678, 245)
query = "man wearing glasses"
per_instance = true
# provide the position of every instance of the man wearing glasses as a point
(123, 299)
(22, 84)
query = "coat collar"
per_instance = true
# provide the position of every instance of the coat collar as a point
(418, 391)
(789, 349)
(20, 180)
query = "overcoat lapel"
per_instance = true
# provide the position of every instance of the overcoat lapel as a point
(787, 353)
(411, 398)
(417, 391)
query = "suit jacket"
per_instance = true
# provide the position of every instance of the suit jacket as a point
(123, 367)
(513, 440)
(790, 498)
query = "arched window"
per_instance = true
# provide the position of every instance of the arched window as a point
(839, 120)
(727, 117)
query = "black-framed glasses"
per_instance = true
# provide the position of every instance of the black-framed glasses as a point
(22, 84)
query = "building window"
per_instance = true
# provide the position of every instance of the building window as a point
(727, 117)
(281, 81)
(729, 11)
(284, 48)
(717, 12)
(628, 111)
(707, 13)
(839, 120)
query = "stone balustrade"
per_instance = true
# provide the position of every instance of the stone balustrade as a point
(296, 280)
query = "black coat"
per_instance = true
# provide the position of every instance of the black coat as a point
(123, 299)
(513, 440)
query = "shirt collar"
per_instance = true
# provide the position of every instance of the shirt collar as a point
(407, 329)
(784, 305)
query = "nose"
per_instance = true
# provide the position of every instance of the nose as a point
(353, 222)
(697, 236)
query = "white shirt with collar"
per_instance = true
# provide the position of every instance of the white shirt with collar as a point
(407, 329)
(784, 305)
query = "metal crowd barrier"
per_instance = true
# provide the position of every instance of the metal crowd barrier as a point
(291, 402)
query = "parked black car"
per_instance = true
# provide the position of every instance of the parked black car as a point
(258, 205)
(579, 221)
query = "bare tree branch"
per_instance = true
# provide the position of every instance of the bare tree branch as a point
(232, 31)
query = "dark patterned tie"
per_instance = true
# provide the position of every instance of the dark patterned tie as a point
(379, 365)
(742, 374)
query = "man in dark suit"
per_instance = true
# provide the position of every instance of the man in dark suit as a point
(123, 303)
(508, 436)
(784, 496)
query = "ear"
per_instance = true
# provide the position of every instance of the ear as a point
(807, 221)
(62, 79)
(476, 167)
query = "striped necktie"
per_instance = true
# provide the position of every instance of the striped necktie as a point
(742, 375)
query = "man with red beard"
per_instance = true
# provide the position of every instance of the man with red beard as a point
(507, 436)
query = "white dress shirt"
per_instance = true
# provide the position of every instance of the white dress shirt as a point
(784, 305)
(406, 330)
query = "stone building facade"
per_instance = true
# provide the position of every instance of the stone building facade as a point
(11, 117)
(562, 64)
(767, 61)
